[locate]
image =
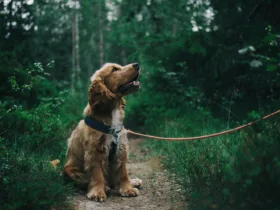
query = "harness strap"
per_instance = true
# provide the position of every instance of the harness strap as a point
(89, 121)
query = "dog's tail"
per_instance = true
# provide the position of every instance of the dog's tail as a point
(55, 162)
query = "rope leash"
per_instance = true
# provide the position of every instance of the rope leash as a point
(204, 136)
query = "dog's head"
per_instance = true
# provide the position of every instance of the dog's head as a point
(113, 81)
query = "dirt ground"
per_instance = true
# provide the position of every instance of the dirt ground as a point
(158, 191)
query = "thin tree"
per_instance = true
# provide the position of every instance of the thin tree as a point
(75, 47)
(101, 26)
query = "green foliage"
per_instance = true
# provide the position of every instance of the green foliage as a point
(266, 55)
(28, 181)
(239, 171)
(254, 115)
(31, 137)
(200, 60)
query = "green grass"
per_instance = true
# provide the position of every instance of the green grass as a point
(30, 139)
(236, 171)
(30, 182)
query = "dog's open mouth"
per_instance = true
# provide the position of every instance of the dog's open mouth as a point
(134, 84)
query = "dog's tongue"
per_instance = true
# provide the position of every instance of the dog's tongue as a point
(129, 85)
(136, 83)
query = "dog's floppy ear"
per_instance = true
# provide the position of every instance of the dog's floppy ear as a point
(98, 91)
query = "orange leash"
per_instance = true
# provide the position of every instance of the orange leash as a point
(204, 136)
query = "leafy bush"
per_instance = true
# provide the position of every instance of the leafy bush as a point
(163, 96)
(28, 181)
(31, 136)
(239, 171)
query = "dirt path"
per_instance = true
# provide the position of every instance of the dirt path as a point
(157, 191)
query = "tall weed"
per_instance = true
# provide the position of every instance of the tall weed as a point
(237, 171)
(36, 119)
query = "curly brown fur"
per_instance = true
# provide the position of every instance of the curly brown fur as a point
(88, 149)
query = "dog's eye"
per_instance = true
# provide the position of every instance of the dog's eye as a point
(114, 69)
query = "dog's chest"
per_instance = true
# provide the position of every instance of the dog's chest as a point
(117, 119)
(116, 127)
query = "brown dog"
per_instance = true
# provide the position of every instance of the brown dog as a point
(96, 157)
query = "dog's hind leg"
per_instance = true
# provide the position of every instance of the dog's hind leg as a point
(74, 169)
(76, 174)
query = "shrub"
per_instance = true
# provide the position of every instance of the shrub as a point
(28, 181)
(36, 119)
(238, 171)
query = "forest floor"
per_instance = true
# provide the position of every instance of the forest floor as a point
(158, 190)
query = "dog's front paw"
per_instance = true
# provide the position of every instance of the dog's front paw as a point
(129, 192)
(98, 196)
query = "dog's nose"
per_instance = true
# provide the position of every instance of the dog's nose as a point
(136, 66)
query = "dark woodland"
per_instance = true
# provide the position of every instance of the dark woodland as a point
(206, 66)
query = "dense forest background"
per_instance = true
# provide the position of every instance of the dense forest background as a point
(207, 65)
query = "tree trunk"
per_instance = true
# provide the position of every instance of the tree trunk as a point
(75, 48)
(123, 55)
(90, 56)
(100, 23)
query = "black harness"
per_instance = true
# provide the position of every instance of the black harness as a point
(89, 121)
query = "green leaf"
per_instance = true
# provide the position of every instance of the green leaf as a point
(256, 171)
(270, 37)
(271, 67)
(254, 115)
